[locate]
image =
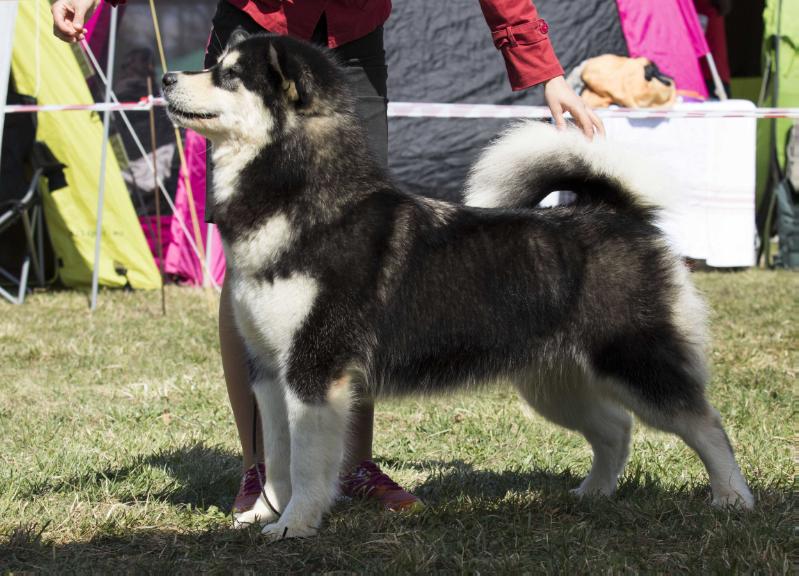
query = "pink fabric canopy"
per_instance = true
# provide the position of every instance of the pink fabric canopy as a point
(179, 256)
(98, 29)
(667, 32)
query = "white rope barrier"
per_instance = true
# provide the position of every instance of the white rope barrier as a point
(434, 110)
(447, 110)
(143, 105)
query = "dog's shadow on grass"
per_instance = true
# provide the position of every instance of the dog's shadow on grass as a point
(458, 496)
(197, 475)
(456, 479)
(203, 476)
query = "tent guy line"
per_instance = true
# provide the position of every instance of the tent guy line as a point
(446, 110)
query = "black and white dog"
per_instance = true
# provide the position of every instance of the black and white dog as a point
(344, 285)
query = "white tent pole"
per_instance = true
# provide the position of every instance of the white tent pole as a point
(112, 41)
(711, 63)
(8, 15)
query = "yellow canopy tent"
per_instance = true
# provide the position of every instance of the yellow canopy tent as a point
(47, 67)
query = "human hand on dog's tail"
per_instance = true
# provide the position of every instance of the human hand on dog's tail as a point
(69, 17)
(561, 98)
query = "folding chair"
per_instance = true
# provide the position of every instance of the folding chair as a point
(47, 171)
(21, 195)
(28, 209)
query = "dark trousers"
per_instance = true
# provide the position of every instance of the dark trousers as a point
(364, 62)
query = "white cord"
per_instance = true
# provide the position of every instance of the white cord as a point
(147, 159)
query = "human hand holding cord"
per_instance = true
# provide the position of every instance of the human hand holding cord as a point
(561, 98)
(69, 17)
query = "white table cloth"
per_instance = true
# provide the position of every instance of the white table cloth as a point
(712, 162)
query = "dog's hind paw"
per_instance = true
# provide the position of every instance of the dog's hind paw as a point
(591, 487)
(742, 500)
(281, 530)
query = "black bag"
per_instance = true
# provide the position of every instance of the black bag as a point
(19, 134)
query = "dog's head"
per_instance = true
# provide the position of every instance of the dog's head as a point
(260, 87)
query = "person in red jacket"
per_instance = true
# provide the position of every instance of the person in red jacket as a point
(353, 29)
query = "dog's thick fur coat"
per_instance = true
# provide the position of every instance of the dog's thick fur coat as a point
(344, 285)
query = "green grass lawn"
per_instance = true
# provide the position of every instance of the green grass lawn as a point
(118, 453)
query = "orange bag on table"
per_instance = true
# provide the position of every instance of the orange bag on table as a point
(628, 82)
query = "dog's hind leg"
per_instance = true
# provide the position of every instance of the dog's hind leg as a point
(317, 431)
(604, 423)
(661, 377)
(270, 396)
(702, 430)
(705, 434)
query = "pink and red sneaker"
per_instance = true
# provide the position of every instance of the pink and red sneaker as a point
(368, 482)
(250, 488)
(365, 482)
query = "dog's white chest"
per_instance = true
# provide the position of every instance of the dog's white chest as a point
(262, 246)
(269, 314)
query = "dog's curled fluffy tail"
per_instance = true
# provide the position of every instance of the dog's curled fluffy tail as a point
(533, 159)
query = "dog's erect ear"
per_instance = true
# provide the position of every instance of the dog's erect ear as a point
(277, 60)
(237, 36)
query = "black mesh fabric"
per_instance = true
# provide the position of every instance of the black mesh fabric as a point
(442, 52)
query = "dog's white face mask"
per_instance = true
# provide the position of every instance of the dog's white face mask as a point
(216, 104)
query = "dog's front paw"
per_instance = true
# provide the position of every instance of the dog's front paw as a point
(260, 514)
(286, 529)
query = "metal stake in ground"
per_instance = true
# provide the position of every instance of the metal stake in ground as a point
(112, 41)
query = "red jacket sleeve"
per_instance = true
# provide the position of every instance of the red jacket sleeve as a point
(523, 39)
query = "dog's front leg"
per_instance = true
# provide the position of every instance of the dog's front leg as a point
(317, 429)
(270, 395)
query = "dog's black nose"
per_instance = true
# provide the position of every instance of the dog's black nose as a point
(169, 79)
